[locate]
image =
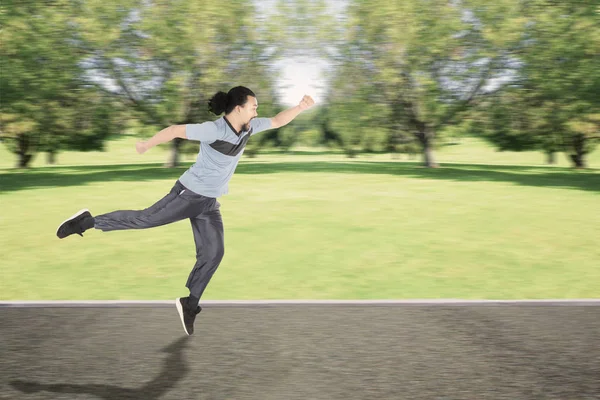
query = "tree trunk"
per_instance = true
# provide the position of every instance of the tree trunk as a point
(51, 158)
(350, 152)
(425, 138)
(578, 159)
(173, 160)
(550, 157)
(23, 160)
(23, 154)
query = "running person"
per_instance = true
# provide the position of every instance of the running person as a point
(194, 195)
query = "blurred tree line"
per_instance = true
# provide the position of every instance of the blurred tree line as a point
(75, 72)
(525, 75)
(405, 76)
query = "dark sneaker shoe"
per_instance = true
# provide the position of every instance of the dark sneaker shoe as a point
(75, 224)
(187, 314)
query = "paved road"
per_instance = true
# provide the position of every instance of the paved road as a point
(302, 352)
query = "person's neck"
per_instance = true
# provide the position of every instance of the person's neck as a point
(237, 125)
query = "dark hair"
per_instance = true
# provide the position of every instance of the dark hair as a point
(226, 102)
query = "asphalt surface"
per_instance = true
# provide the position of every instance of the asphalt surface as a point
(302, 352)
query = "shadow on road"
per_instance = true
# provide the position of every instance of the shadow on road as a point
(173, 370)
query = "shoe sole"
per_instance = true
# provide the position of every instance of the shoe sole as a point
(180, 311)
(70, 218)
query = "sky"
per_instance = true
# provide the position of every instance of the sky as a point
(301, 76)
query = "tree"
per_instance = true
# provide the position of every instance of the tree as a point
(552, 104)
(165, 59)
(46, 103)
(426, 61)
(561, 75)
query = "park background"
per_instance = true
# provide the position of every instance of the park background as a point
(452, 152)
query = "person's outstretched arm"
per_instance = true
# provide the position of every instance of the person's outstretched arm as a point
(163, 136)
(286, 116)
(205, 131)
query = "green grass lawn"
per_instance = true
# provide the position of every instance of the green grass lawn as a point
(313, 227)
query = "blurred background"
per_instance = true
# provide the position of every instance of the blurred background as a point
(388, 76)
(452, 152)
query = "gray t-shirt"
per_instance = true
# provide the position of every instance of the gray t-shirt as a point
(220, 151)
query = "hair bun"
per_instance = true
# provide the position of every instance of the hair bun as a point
(218, 103)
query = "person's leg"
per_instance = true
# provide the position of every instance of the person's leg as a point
(210, 248)
(169, 209)
(179, 204)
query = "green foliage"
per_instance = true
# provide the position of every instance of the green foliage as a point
(406, 73)
(552, 104)
(46, 103)
(73, 70)
(417, 65)
(524, 74)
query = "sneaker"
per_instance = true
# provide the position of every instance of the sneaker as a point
(74, 224)
(187, 315)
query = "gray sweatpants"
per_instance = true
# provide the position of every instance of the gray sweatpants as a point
(181, 203)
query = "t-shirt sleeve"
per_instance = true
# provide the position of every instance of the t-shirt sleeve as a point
(260, 124)
(204, 132)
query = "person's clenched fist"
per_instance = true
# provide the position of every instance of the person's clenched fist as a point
(141, 147)
(306, 103)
